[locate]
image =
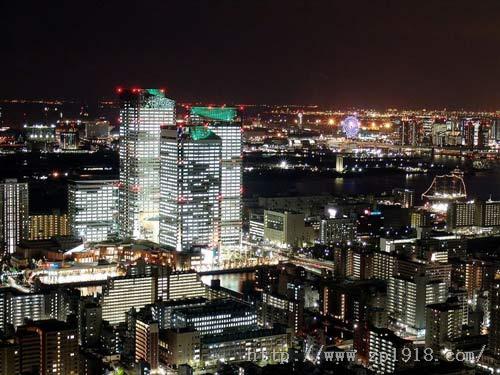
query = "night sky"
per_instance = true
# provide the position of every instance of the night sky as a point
(381, 54)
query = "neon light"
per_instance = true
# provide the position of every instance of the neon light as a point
(214, 113)
(200, 132)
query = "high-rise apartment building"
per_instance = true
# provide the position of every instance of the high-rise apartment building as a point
(122, 293)
(461, 214)
(93, 209)
(146, 342)
(48, 347)
(384, 344)
(89, 323)
(14, 214)
(225, 124)
(142, 113)
(443, 323)
(43, 226)
(19, 306)
(190, 187)
(180, 284)
(407, 298)
(488, 214)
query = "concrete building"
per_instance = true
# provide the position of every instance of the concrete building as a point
(180, 285)
(253, 345)
(494, 329)
(147, 342)
(123, 293)
(45, 226)
(227, 126)
(93, 209)
(286, 229)
(190, 175)
(406, 301)
(443, 323)
(89, 323)
(385, 345)
(14, 214)
(404, 197)
(9, 358)
(216, 317)
(17, 306)
(48, 347)
(142, 113)
(180, 346)
(337, 230)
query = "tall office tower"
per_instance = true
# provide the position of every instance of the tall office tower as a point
(93, 209)
(190, 190)
(122, 293)
(48, 347)
(225, 124)
(143, 112)
(14, 216)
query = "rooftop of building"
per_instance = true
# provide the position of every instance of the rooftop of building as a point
(244, 335)
(219, 305)
(226, 114)
(50, 325)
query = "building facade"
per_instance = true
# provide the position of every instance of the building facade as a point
(123, 293)
(48, 225)
(14, 214)
(190, 188)
(93, 209)
(142, 113)
(225, 124)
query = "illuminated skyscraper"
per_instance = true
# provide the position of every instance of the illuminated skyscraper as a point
(14, 217)
(93, 209)
(143, 112)
(190, 181)
(224, 123)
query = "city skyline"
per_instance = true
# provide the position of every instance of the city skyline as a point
(163, 220)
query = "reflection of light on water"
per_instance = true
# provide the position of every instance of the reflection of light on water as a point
(233, 281)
